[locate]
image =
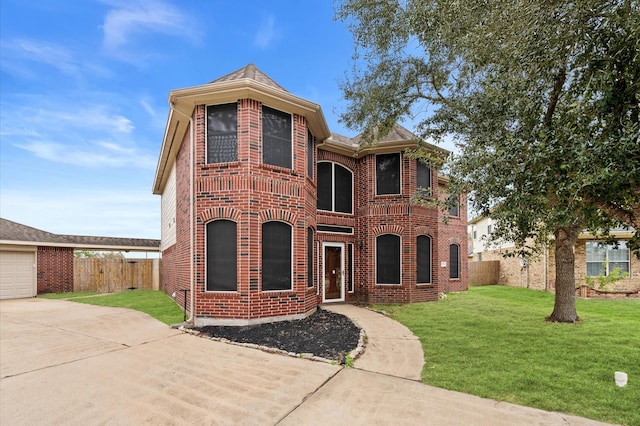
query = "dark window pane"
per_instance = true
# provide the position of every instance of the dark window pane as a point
(423, 259)
(424, 178)
(276, 137)
(350, 266)
(221, 256)
(325, 183)
(276, 256)
(387, 174)
(337, 229)
(222, 133)
(388, 259)
(343, 189)
(454, 261)
(310, 154)
(310, 257)
(454, 209)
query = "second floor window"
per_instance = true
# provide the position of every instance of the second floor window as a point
(424, 179)
(387, 174)
(335, 188)
(276, 137)
(454, 210)
(222, 133)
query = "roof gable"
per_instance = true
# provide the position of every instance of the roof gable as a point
(250, 72)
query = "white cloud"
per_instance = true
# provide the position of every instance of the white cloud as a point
(128, 21)
(132, 212)
(87, 135)
(18, 56)
(266, 34)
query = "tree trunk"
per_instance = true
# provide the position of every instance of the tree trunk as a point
(564, 309)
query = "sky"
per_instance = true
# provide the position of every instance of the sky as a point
(84, 87)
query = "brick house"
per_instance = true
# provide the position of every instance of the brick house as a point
(33, 261)
(266, 214)
(593, 257)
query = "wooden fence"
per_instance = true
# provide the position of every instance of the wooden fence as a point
(115, 275)
(484, 273)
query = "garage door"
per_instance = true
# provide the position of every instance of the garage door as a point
(17, 274)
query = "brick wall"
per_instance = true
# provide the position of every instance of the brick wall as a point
(55, 269)
(453, 230)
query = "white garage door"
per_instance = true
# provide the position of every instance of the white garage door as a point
(17, 274)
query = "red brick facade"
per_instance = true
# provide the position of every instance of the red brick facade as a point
(250, 193)
(55, 269)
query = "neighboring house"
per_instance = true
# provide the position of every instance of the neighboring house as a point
(266, 214)
(592, 258)
(33, 261)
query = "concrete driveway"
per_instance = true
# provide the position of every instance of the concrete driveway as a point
(69, 363)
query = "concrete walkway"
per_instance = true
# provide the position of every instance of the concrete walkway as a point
(391, 347)
(65, 363)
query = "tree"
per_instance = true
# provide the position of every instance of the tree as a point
(541, 98)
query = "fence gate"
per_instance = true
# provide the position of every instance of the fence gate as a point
(484, 273)
(115, 275)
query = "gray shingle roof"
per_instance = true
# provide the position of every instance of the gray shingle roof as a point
(13, 231)
(250, 72)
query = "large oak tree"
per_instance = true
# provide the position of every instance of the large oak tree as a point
(540, 96)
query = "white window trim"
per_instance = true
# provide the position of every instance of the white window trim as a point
(333, 188)
(399, 177)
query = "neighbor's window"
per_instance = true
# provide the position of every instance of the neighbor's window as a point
(335, 188)
(222, 133)
(309, 257)
(276, 256)
(424, 179)
(602, 258)
(387, 174)
(221, 256)
(388, 259)
(276, 137)
(310, 154)
(423, 259)
(454, 261)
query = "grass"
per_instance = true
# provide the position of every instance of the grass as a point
(493, 342)
(155, 303)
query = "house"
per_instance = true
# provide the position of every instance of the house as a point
(266, 214)
(33, 261)
(593, 257)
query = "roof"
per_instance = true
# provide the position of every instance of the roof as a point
(250, 72)
(19, 234)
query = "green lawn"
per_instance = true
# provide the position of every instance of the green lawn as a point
(493, 342)
(155, 303)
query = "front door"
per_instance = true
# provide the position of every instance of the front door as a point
(333, 272)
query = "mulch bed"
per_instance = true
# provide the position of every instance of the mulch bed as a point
(324, 334)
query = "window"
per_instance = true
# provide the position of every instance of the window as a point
(350, 276)
(310, 154)
(454, 261)
(387, 174)
(309, 257)
(454, 210)
(222, 133)
(603, 258)
(335, 188)
(489, 229)
(388, 259)
(276, 256)
(276, 137)
(423, 259)
(424, 179)
(221, 256)
(475, 232)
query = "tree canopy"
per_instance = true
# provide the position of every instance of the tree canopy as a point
(541, 98)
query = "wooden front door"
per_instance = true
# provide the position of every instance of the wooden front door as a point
(333, 272)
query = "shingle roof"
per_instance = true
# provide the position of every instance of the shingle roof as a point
(397, 134)
(250, 72)
(19, 233)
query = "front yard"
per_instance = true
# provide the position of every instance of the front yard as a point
(493, 342)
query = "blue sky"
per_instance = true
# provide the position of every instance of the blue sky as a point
(84, 87)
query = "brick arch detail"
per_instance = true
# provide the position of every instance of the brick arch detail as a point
(424, 230)
(388, 229)
(276, 214)
(220, 213)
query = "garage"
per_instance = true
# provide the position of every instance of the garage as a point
(17, 274)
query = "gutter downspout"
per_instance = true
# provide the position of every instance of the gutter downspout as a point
(191, 219)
